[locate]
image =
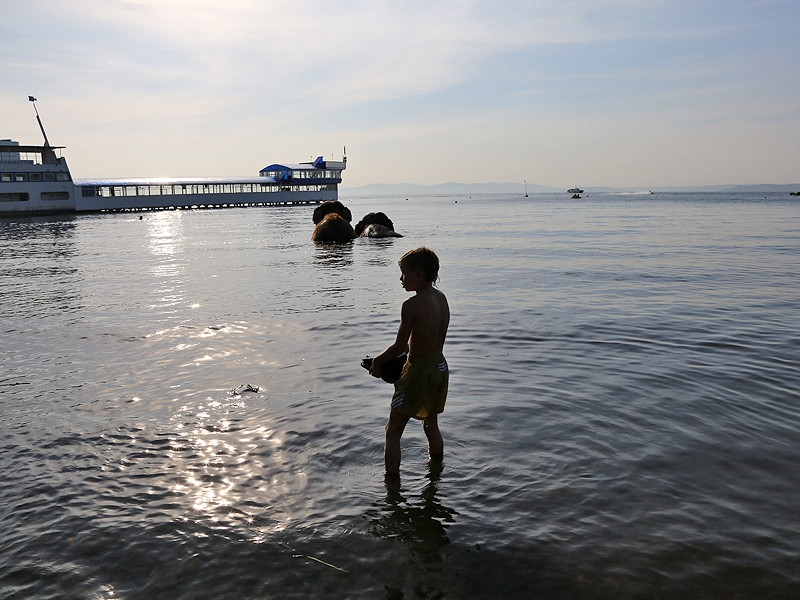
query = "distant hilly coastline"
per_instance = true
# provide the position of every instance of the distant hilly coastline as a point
(397, 189)
(766, 187)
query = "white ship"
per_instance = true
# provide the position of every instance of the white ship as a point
(36, 180)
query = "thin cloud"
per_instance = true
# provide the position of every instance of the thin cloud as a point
(480, 74)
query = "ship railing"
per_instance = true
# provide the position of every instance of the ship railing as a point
(111, 191)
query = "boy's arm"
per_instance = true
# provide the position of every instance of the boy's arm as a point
(400, 344)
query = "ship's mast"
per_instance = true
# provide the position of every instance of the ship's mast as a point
(46, 142)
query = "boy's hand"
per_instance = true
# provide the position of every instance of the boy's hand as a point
(375, 369)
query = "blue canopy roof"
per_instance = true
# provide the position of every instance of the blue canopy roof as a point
(317, 164)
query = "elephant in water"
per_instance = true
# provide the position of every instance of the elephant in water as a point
(332, 223)
(376, 225)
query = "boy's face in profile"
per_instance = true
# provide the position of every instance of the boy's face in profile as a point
(412, 279)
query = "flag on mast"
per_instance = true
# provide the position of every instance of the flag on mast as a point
(31, 99)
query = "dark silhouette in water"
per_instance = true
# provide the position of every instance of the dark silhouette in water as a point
(331, 206)
(332, 220)
(333, 228)
(332, 224)
(376, 225)
(420, 525)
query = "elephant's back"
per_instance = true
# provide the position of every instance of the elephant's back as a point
(333, 228)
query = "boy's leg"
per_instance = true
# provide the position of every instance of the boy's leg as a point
(391, 451)
(435, 443)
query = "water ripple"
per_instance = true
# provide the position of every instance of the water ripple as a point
(621, 421)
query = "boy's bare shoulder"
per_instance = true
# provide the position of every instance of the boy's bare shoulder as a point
(432, 300)
(440, 295)
(440, 299)
(413, 303)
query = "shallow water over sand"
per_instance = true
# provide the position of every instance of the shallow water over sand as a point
(622, 419)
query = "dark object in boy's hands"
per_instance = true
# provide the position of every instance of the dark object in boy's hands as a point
(390, 370)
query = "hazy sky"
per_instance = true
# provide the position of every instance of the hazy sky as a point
(618, 93)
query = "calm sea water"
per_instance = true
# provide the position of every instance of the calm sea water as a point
(622, 420)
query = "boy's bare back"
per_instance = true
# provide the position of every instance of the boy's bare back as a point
(429, 316)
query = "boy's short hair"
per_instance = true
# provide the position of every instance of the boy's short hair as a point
(424, 259)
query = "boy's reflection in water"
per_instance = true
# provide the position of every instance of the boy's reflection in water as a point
(421, 525)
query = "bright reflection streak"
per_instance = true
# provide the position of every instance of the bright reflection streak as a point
(165, 229)
(166, 244)
(225, 471)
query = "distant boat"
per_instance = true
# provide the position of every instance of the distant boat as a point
(575, 190)
(526, 189)
(575, 196)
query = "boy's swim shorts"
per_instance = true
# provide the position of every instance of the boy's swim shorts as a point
(422, 387)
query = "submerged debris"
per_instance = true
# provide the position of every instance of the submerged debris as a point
(245, 387)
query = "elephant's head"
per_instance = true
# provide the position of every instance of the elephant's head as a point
(332, 206)
(376, 225)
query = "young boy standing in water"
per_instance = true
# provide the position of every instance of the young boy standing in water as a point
(422, 388)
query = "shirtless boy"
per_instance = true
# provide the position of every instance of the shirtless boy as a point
(422, 388)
